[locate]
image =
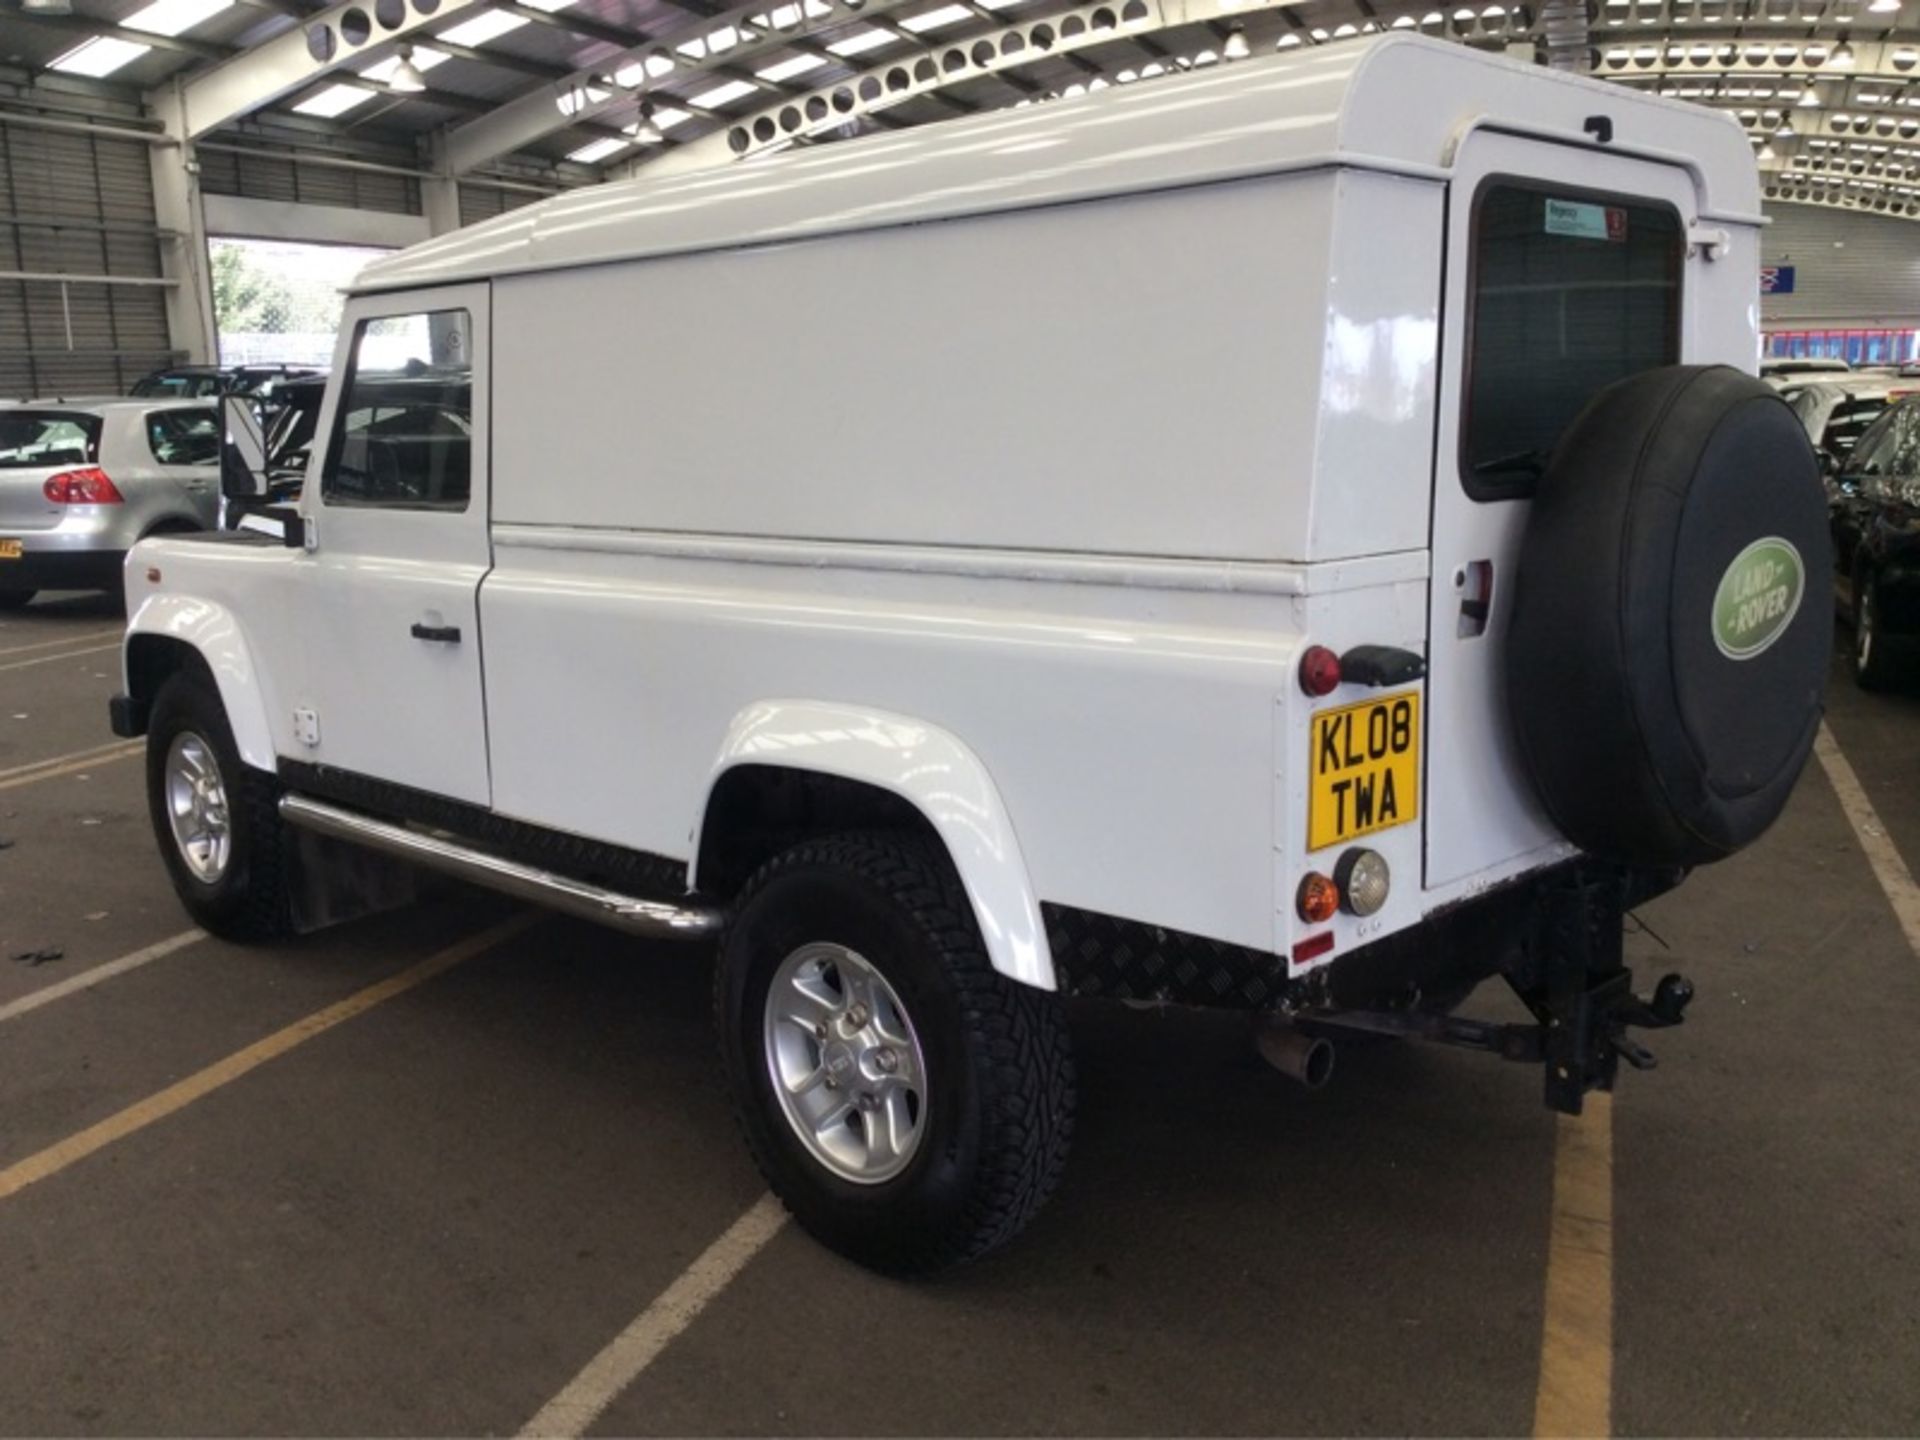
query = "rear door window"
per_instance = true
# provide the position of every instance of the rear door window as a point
(30, 439)
(184, 437)
(1569, 291)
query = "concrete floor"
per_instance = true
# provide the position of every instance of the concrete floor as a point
(428, 1219)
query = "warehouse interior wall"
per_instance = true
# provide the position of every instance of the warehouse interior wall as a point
(80, 204)
(1850, 269)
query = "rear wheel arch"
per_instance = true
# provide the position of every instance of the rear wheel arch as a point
(789, 771)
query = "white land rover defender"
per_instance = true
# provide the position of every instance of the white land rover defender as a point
(1302, 537)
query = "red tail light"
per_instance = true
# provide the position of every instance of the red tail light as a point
(81, 487)
(1319, 671)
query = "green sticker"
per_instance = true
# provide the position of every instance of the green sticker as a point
(1758, 597)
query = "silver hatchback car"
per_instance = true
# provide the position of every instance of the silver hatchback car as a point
(81, 481)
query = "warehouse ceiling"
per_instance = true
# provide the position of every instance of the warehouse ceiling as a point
(1825, 90)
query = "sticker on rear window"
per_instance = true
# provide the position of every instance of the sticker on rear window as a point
(1758, 597)
(1586, 222)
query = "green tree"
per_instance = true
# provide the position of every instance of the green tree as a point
(249, 299)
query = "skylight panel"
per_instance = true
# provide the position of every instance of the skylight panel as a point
(173, 17)
(787, 69)
(599, 150)
(102, 55)
(488, 25)
(937, 19)
(861, 43)
(725, 94)
(334, 100)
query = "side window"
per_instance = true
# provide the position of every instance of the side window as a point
(1567, 293)
(1870, 451)
(403, 435)
(1849, 421)
(184, 437)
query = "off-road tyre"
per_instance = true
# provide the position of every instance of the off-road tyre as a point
(16, 599)
(250, 901)
(1874, 656)
(999, 1070)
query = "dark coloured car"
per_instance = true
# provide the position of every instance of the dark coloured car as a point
(1874, 498)
(202, 382)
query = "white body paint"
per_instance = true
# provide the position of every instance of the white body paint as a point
(1008, 465)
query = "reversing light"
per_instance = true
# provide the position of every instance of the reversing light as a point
(81, 487)
(1318, 898)
(1363, 880)
(1319, 670)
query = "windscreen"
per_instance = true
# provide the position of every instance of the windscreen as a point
(33, 439)
(1570, 292)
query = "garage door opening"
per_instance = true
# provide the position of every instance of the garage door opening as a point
(277, 302)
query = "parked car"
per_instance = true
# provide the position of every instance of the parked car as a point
(199, 382)
(1314, 649)
(1781, 371)
(1874, 500)
(1837, 412)
(81, 483)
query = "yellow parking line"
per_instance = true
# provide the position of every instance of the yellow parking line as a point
(1575, 1397)
(64, 640)
(50, 659)
(50, 770)
(52, 760)
(136, 1117)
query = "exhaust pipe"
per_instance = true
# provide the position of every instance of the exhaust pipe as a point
(1306, 1058)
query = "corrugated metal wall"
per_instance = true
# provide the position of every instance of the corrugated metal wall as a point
(1849, 269)
(83, 205)
(480, 201)
(266, 176)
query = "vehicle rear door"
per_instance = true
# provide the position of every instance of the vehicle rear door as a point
(398, 545)
(1566, 270)
(36, 445)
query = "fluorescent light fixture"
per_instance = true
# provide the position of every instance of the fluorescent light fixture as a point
(549, 6)
(667, 119)
(1884, 7)
(46, 7)
(787, 69)
(172, 17)
(102, 55)
(725, 94)
(334, 100)
(937, 19)
(861, 43)
(487, 25)
(599, 150)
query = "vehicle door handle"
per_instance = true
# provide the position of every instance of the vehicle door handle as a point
(444, 634)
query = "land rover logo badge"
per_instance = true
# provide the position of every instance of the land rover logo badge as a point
(1758, 597)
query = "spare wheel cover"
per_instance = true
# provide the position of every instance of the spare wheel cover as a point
(1671, 617)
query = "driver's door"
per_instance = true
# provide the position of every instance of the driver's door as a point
(396, 512)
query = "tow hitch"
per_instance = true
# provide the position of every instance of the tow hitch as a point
(1572, 975)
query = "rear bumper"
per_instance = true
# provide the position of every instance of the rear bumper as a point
(62, 570)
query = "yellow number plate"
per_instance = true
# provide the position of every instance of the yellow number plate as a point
(11, 549)
(1365, 764)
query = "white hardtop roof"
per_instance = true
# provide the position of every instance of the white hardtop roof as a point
(1397, 103)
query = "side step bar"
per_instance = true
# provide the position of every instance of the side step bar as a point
(658, 919)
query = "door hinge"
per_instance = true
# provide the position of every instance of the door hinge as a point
(1709, 242)
(306, 727)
